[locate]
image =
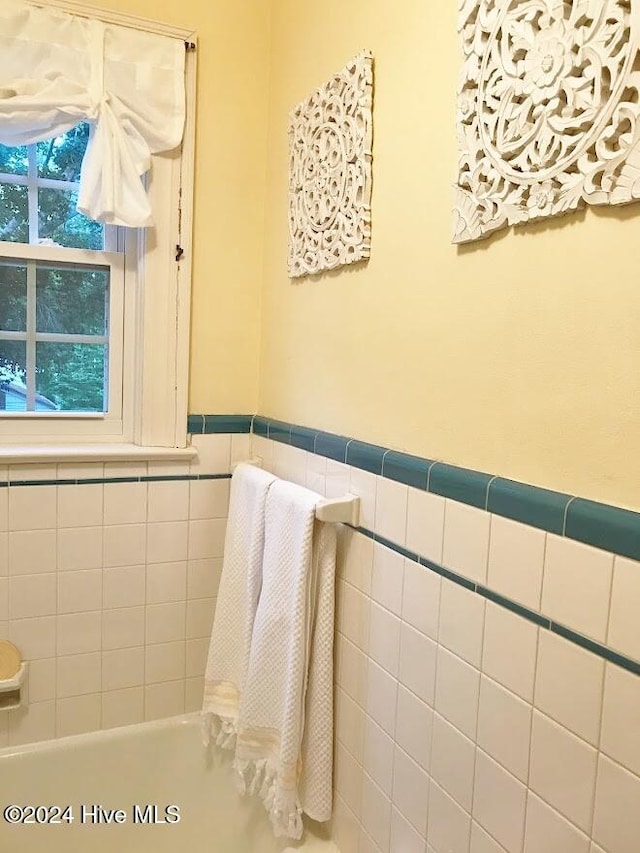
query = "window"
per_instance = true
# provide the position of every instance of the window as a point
(94, 319)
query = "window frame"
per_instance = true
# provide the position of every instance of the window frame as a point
(156, 305)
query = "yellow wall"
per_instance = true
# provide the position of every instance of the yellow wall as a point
(518, 356)
(231, 139)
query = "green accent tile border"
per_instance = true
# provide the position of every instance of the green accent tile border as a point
(217, 424)
(94, 481)
(533, 616)
(529, 504)
(603, 526)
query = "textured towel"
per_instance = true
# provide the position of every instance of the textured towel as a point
(285, 730)
(236, 606)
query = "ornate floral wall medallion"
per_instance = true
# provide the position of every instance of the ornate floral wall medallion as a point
(548, 109)
(330, 137)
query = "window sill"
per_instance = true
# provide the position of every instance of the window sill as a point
(54, 454)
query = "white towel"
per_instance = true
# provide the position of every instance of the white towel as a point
(236, 606)
(285, 730)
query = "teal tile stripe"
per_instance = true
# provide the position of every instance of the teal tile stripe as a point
(91, 481)
(539, 619)
(608, 527)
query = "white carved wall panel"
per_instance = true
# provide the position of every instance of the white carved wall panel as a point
(548, 110)
(330, 136)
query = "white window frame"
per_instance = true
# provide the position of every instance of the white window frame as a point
(155, 299)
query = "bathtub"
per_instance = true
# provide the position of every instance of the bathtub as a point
(133, 769)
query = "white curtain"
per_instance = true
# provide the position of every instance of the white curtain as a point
(57, 70)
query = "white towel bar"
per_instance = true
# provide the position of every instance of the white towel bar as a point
(344, 510)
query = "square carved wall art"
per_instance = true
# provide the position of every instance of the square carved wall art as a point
(548, 107)
(330, 136)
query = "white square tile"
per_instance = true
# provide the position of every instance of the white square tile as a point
(388, 574)
(125, 503)
(616, 823)
(417, 669)
(466, 540)
(403, 836)
(355, 559)
(122, 707)
(384, 638)
(32, 507)
(290, 463)
(32, 595)
(122, 668)
(206, 538)
(4, 554)
(348, 779)
(240, 447)
(516, 560)
(353, 672)
(163, 700)
(461, 621)
(483, 843)
(125, 545)
(421, 598)
(621, 718)
(4, 503)
(625, 604)
(167, 541)
(196, 657)
(4, 599)
(364, 484)
(414, 727)
(209, 499)
(164, 662)
(32, 551)
(457, 692)
(569, 684)
(166, 582)
(510, 650)
(172, 468)
(200, 612)
(203, 577)
(353, 614)
(165, 622)
(504, 728)
(125, 469)
(20, 473)
(79, 632)
(425, 524)
(577, 586)
(499, 802)
(262, 448)
(193, 694)
(80, 470)
(391, 510)
(32, 723)
(79, 591)
(453, 761)
(80, 505)
(411, 792)
(123, 628)
(41, 680)
(376, 813)
(80, 548)
(378, 755)
(449, 824)
(78, 674)
(337, 478)
(124, 587)
(78, 714)
(563, 770)
(168, 501)
(214, 454)
(547, 830)
(382, 690)
(350, 719)
(35, 638)
(316, 477)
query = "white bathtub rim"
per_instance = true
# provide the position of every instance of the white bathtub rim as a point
(102, 735)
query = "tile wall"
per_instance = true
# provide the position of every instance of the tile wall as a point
(461, 725)
(108, 587)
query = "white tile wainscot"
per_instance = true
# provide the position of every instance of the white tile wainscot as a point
(108, 588)
(462, 727)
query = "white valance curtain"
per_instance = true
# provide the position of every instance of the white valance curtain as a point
(57, 70)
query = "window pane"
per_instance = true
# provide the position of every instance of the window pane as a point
(61, 158)
(72, 376)
(14, 213)
(14, 161)
(59, 221)
(13, 297)
(72, 300)
(13, 367)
